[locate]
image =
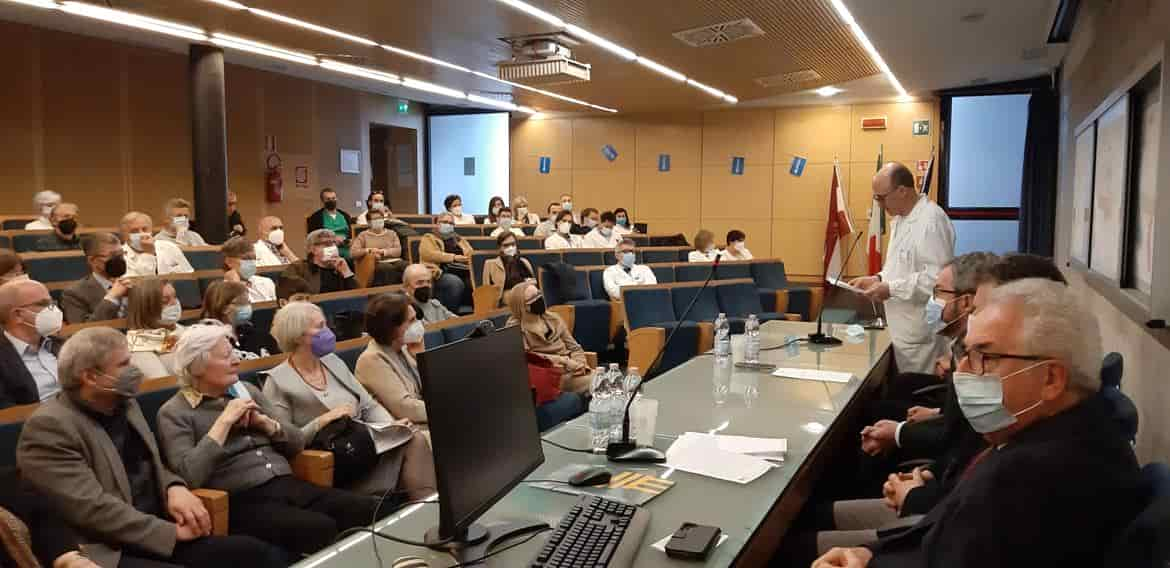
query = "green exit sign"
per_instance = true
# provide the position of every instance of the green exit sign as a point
(403, 107)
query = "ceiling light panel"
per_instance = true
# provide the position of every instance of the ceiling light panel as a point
(311, 26)
(134, 20)
(243, 44)
(859, 34)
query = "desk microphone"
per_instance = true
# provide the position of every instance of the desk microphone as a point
(482, 328)
(820, 338)
(626, 450)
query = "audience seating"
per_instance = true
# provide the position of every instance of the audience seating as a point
(16, 222)
(5, 242)
(23, 241)
(416, 219)
(771, 278)
(1145, 542)
(595, 325)
(63, 266)
(1121, 407)
(204, 258)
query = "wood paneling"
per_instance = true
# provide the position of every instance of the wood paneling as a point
(160, 133)
(805, 197)
(679, 136)
(602, 189)
(896, 138)
(591, 134)
(819, 134)
(747, 196)
(748, 134)
(21, 152)
(668, 195)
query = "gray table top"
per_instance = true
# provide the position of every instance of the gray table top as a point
(754, 403)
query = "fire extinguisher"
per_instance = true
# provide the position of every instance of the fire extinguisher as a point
(274, 185)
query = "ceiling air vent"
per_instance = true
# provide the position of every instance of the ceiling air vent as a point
(719, 34)
(790, 79)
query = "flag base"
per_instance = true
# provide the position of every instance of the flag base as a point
(822, 339)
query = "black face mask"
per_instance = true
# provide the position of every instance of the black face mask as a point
(331, 204)
(423, 294)
(537, 307)
(115, 266)
(67, 226)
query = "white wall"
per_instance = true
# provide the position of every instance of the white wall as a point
(456, 137)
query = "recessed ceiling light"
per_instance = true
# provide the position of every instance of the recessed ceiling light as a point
(905, 99)
(863, 39)
(828, 91)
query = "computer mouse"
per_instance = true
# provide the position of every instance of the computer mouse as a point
(410, 562)
(590, 476)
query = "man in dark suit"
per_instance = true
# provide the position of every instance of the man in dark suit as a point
(1058, 480)
(101, 295)
(28, 350)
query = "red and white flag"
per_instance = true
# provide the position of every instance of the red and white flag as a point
(839, 227)
(877, 227)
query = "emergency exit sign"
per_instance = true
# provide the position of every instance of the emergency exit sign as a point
(403, 107)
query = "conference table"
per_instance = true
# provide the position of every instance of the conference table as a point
(817, 418)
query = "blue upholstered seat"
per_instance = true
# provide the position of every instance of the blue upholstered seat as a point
(647, 306)
(26, 243)
(654, 256)
(664, 274)
(204, 259)
(1145, 542)
(692, 272)
(433, 338)
(56, 269)
(770, 276)
(733, 271)
(582, 257)
(188, 293)
(469, 230)
(706, 308)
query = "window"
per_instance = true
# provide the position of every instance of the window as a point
(1146, 101)
(982, 169)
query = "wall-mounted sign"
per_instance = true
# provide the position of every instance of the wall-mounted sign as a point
(737, 166)
(545, 164)
(873, 123)
(797, 167)
(664, 162)
(403, 106)
(302, 176)
(609, 152)
(920, 128)
(351, 161)
(469, 166)
(922, 165)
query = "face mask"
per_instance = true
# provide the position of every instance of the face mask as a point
(378, 224)
(522, 212)
(243, 314)
(331, 204)
(737, 246)
(590, 223)
(67, 226)
(136, 241)
(446, 229)
(627, 259)
(115, 266)
(171, 314)
(377, 204)
(181, 223)
(564, 228)
(126, 384)
(496, 210)
(48, 321)
(457, 210)
(605, 232)
(506, 222)
(329, 253)
(981, 400)
(537, 307)
(46, 210)
(276, 237)
(567, 206)
(709, 249)
(510, 250)
(323, 342)
(414, 333)
(247, 269)
(623, 221)
(934, 315)
(423, 295)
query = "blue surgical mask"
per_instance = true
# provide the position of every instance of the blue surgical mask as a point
(622, 221)
(934, 315)
(243, 314)
(628, 259)
(247, 269)
(981, 400)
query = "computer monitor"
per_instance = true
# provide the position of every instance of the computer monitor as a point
(483, 428)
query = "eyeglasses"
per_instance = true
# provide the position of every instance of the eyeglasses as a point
(978, 360)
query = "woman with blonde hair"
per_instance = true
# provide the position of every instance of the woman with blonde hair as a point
(152, 326)
(546, 336)
(704, 247)
(522, 214)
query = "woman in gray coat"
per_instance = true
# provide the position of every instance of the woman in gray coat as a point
(313, 387)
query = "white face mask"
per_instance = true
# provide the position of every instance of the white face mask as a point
(457, 210)
(181, 223)
(567, 205)
(590, 223)
(738, 246)
(522, 212)
(605, 232)
(377, 224)
(377, 204)
(171, 314)
(564, 227)
(46, 210)
(136, 241)
(329, 253)
(48, 321)
(496, 210)
(414, 333)
(506, 222)
(510, 250)
(276, 237)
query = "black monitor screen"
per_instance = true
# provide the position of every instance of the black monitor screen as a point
(482, 421)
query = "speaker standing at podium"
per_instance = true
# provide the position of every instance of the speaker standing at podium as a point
(922, 242)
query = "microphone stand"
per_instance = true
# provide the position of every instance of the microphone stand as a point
(626, 450)
(820, 338)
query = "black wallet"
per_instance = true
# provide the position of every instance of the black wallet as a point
(692, 542)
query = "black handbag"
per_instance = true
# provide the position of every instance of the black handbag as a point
(352, 448)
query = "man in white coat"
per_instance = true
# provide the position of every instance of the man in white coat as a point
(922, 242)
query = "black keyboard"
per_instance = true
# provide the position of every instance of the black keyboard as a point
(595, 533)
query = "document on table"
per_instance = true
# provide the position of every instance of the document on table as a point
(746, 445)
(387, 435)
(813, 375)
(701, 455)
(843, 284)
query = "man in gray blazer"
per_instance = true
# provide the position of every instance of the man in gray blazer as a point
(102, 294)
(90, 452)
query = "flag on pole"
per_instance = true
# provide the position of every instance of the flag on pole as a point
(926, 176)
(839, 226)
(877, 228)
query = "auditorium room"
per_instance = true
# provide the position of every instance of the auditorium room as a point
(584, 283)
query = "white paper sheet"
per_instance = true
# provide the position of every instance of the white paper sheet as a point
(387, 435)
(746, 444)
(701, 455)
(813, 375)
(843, 284)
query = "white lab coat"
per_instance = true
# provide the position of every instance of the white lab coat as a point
(168, 258)
(920, 245)
(557, 241)
(616, 277)
(594, 239)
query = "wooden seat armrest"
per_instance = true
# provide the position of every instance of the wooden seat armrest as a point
(485, 299)
(617, 318)
(644, 344)
(781, 301)
(567, 313)
(216, 503)
(591, 359)
(314, 466)
(706, 337)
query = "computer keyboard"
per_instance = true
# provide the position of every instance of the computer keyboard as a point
(595, 533)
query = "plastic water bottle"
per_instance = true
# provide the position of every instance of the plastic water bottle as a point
(629, 385)
(722, 339)
(599, 411)
(751, 331)
(721, 380)
(618, 398)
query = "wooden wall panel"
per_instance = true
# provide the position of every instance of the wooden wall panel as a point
(800, 244)
(337, 124)
(83, 128)
(591, 134)
(805, 197)
(668, 195)
(160, 133)
(679, 136)
(21, 155)
(532, 139)
(749, 134)
(747, 196)
(245, 143)
(758, 231)
(818, 134)
(896, 138)
(541, 189)
(602, 189)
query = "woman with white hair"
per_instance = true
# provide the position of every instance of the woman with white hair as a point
(324, 268)
(218, 432)
(313, 388)
(44, 202)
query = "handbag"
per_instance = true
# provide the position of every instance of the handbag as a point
(544, 378)
(352, 447)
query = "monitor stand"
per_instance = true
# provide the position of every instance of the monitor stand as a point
(478, 540)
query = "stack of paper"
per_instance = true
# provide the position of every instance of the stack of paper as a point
(843, 284)
(701, 454)
(767, 448)
(813, 375)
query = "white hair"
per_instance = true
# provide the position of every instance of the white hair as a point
(1054, 323)
(291, 322)
(46, 197)
(87, 349)
(319, 235)
(194, 349)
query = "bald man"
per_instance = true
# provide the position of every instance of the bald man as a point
(28, 346)
(146, 255)
(921, 244)
(417, 283)
(65, 236)
(270, 247)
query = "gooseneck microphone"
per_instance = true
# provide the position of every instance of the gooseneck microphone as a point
(820, 338)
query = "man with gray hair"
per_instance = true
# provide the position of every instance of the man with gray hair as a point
(1058, 479)
(177, 224)
(324, 268)
(101, 295)
(43, 202)
(28, 346)
(146, 255)
(91, 453)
